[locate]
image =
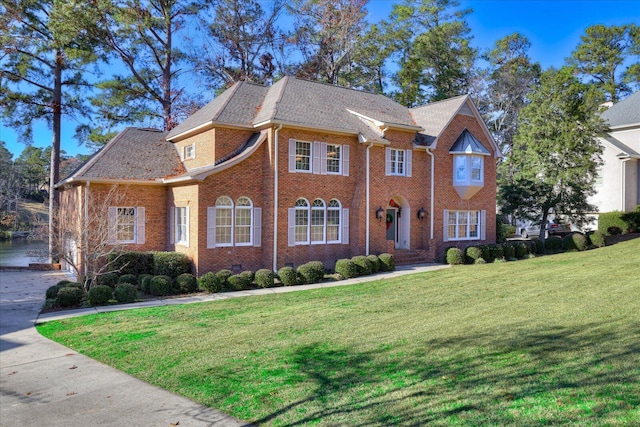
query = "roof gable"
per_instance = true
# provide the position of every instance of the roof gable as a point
(134, 154)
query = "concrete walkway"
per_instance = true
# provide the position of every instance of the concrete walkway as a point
(45, 383)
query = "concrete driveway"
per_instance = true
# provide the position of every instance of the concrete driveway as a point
(46, 384)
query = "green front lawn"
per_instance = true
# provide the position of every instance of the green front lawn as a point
(550, 340)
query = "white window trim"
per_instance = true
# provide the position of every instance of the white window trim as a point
(482, 224)
(407, 162)
(339, 210)
(468, 180)
(234, 218)
(318, 158)
(324, 223)
(193, 152)
(215, 225)
(343, 226)
(139, 222)
(325, 159)
(176, 226)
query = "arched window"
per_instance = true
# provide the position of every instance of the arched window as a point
(317, 221)
(224, 221)
(243, 221)
(302, 221)
(333, 221)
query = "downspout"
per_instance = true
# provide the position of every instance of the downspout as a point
(85, 233)
(275, 198)
(368, 202)
(431, 207)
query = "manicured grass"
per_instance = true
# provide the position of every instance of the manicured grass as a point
(550, 340)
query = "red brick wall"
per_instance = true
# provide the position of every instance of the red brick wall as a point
(446, 196)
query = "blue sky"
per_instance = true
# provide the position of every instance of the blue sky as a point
(553, 28)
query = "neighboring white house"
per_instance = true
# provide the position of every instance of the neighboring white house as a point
(618, 184)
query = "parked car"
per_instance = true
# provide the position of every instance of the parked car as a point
(553, 228)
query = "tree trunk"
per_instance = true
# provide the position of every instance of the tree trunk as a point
(54, 176)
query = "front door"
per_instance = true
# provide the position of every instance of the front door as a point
(392, 225)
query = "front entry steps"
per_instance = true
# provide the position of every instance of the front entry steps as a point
(411, 256)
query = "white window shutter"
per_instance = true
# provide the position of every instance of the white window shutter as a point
(483, 225)
(292, 155)
(409, 162)
(194, 150)
(172, 225)
(345, 160)
(140, 225)
(112, 217)
(345, 226)
(387, 163)
(323, 158)
(445, 222)
(186, 243)
(315, 154)
(211, 227)
(292, 226)
(257, 227)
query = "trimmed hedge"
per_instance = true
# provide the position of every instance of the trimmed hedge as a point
(455, 256)
(509, 251)
(553, 243)
(161, 285)
(52, 291)
(575, 242)
(365, 267)
(210, 282)
(69, 296)
(126, 292)
(288, 276)
(520, 249)
(128, 278)
(130, 262)
(142, 280)
(472, 253)
(223, 275)
(108, 279)
(346, 268)
(187, 283)
(265, 278)
(238, 282)
(170, 264)
(387, 262)
(611, 223)
(100, 295)
(375, 263)
(311, 272)
(597, 239)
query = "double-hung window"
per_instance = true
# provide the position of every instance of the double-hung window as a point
(319, 158)
(243, 222)
(181, 226)
(126, 225)
(318, 223)
(333, 160)
(189, 152)
(464, 225)
(234, 224)
(398, 162)
(303, 156)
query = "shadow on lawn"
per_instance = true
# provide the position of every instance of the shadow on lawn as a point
(556, 375)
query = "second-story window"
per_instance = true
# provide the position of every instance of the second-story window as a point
(333, 159)
(303, 156)
(398, 162)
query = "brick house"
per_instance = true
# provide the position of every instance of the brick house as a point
(264, 177)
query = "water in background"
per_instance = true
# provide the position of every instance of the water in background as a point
(21, 252)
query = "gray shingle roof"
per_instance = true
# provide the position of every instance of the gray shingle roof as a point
(133, 154)
(467, 143)
(298, 102)
(434, 117)
(625, 112)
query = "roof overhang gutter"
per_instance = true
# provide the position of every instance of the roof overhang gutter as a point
(204, 127)
(73, 180)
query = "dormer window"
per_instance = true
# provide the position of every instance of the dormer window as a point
(468, 165)
(189, 152)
